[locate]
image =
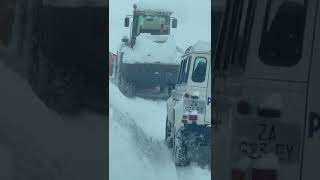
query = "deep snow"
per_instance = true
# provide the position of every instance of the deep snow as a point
(136, 142)
(148, 51)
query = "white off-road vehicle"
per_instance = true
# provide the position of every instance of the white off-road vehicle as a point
(188, 120)
(266, 109)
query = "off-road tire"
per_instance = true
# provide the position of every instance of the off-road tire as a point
(126, 88)
(168, 138)
(180, 149)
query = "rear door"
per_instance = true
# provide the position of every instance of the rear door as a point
(267, 66)
(311, 158)
(275, 85)
(208, 95)
(176, 94)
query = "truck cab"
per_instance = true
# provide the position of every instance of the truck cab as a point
(189, 106)
(265, 120)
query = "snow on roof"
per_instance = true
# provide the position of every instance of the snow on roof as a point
(148, 51)
(147, 6)
(201, 46)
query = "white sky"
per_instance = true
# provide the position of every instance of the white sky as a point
(194, 20)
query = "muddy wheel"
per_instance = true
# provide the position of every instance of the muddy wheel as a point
(58, 88)
(168, 138)
(126, 88)
(180, 150)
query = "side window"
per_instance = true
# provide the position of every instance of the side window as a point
(184, 70)
(182, 65)
(283, 31)
(186, 75)
(199, 70)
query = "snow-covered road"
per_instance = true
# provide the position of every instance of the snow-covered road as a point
(37, 142)
(136, 146)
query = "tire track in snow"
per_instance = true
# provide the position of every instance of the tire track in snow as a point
(153, 149)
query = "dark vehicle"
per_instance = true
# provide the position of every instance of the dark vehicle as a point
(133, 78)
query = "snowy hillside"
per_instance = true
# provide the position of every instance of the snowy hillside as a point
(194, 20)
(136, 128)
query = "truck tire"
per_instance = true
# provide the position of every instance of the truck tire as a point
(165, 90)
(126, 88)
(57, 87)
(180, 150)
(168, 138)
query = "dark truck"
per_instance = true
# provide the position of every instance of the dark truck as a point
(66, 46)
(148, 75)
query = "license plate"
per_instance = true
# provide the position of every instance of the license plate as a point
(255, 138)
(191, 108)
(190, 105)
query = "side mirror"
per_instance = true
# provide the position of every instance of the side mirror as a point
(126, 22)
(174, 23)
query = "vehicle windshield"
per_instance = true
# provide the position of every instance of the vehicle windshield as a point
(154, 24)
(199, 70)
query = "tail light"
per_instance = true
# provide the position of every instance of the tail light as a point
(184, 119)
(193, 117)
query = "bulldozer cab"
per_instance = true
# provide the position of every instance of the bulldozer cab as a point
(153, 24)
(149, 20)
(266, 105)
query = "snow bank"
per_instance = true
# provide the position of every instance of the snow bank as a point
(151, 121)
(140, 159)
(145, 6)
(148, 51)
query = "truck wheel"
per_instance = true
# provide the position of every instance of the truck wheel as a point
(57, 87)
(168, 138)
(127, 88)
(130, 90)
(180, 150)
(164, 89)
